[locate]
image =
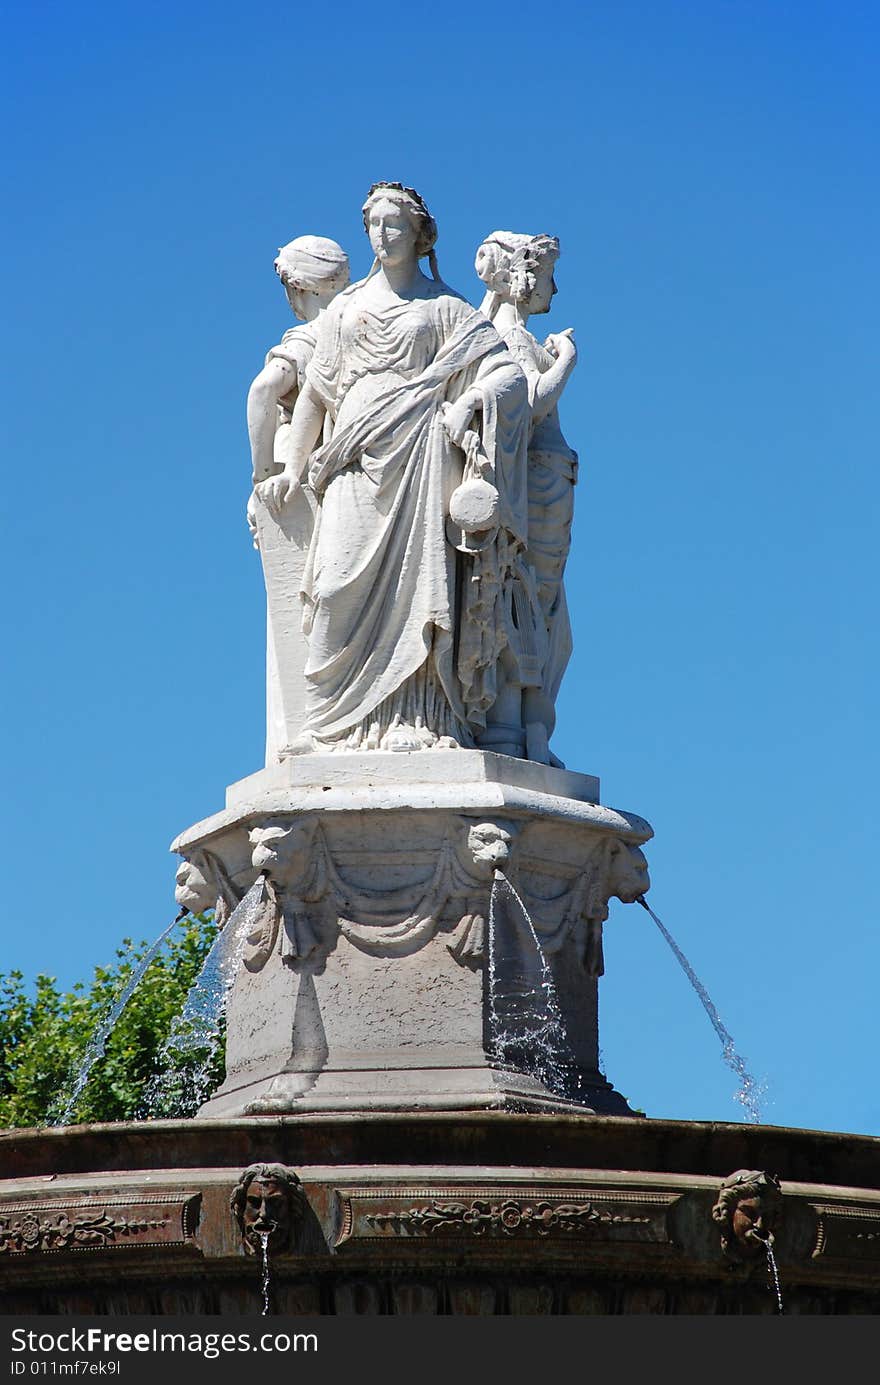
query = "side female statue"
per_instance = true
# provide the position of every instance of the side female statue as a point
(312, 270)
(518, 273)
(403, 587)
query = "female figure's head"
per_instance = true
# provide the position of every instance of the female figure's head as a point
(517, 269)
(399, 226)
(313, 270)
(747, 1210)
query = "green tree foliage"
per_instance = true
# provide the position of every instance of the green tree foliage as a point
(44, 1033)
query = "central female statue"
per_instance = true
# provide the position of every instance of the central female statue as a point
(406, 615)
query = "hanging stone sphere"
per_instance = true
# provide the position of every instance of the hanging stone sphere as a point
(474, 506)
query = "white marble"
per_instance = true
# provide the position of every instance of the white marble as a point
(412, 506)
(362, 982)
(407, 458)
(312, 270)
(518, 271)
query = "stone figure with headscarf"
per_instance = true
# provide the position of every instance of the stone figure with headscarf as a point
(312, 270)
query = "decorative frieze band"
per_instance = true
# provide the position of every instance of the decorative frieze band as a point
(78, 1225)
(844, 1232)
(502, 1213)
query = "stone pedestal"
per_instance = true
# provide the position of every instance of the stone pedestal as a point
(362, 984)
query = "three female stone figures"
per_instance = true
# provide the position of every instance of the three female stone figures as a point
(431, 615)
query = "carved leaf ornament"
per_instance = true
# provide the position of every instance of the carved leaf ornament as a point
(30, 1232)
(508, 1218)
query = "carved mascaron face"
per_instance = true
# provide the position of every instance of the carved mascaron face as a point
(281, 850)
(629, 877)
(752, 1222)
(489, 846)
(269, 1206)
(193, 889)
(748, 1210)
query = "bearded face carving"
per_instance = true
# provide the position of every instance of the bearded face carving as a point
(268, 1201)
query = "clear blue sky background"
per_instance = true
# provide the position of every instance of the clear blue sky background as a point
(711, 171)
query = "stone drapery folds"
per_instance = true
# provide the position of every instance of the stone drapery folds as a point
(423, 613)
(382, 606)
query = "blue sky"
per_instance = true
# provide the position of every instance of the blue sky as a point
(710, 169)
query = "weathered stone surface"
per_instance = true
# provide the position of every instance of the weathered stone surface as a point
(313, 270)
(487, 1212)
(362, 984)
(79, 1224)
(412, 506)
(502, 1213)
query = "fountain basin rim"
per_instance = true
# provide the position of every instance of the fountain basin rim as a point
(466, 1139)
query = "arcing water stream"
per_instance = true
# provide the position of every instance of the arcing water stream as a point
(750, 1092)
(98, 1041)
(525, 1025)
(187, 1057)
(526, 1028)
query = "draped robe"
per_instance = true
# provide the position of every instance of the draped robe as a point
(390, 632)
(552, 476)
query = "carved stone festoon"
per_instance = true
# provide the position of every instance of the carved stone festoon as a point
(362, 979)
(412, 509)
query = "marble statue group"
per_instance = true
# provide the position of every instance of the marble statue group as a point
(412, 506)
(413, 497)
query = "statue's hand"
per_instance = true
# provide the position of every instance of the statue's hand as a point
(456, 418)
(252, 519)
(277, 491)
(561, 345)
